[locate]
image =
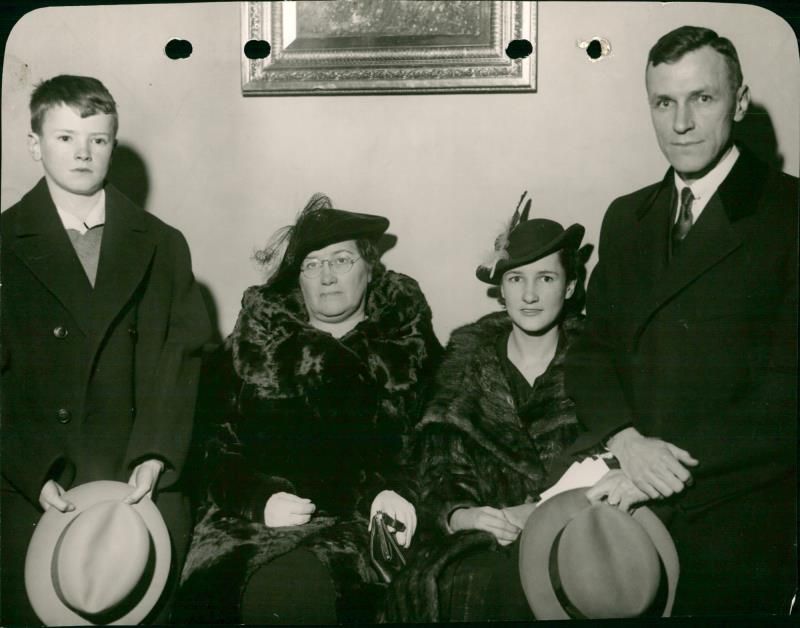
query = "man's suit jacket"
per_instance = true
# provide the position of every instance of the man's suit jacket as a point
(96, 380)
(698, 348)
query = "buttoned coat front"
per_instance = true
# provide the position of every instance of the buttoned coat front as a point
(94, 380)
(698, 348)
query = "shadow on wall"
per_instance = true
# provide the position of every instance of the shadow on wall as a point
(128, 173)
(386, 243)
(213, 316)
(757, 133)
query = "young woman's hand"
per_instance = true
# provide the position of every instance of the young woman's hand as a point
(285, 509)
(617, 489)
(518, 515)
(398, 508)
(487, 519)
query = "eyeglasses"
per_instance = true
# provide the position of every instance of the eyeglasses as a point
(339, 265)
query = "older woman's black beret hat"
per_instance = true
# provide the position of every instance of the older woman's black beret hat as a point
(321, 227)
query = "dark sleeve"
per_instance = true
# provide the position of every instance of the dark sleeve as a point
(227, 475)
(447, 470)
(591, 372)
(163, 426)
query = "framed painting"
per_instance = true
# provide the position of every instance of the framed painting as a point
(389, 47)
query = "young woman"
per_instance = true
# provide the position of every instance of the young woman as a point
(497, 421)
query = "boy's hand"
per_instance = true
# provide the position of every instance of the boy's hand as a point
(144, 479)
(50, 497)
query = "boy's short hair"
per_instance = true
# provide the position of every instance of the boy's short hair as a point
(85, 94)
(672, 46)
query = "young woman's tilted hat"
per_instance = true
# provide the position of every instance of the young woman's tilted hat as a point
(524, 241)
(106, 562)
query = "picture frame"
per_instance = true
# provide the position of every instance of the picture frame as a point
(388, 47)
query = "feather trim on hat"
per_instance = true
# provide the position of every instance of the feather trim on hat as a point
(500, 251)
(272, 255)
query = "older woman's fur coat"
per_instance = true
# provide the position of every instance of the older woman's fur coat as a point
(300, 411)
(474, 447)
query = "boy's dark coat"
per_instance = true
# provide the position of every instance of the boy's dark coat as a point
(474, 447)
(94, 380)
(290, 408)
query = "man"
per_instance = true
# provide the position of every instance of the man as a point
(102, 323)
(687, 369)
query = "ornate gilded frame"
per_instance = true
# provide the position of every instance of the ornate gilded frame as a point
(412, 67)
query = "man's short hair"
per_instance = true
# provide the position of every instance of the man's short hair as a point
(672, 46)
(85, 94)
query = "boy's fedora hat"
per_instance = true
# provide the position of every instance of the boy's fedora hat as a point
(580, 560)
(525, 241)
(106, 562)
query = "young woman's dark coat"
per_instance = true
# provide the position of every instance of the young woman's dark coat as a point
(299, 411)
(475, 447)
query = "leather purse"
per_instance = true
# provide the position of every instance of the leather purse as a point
(384, 552)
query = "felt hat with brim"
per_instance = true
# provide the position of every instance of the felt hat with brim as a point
(580, 560)
(319, 228)
(106, 562)
(527, 242)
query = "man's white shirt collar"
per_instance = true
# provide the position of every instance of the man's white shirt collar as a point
(703, 189)
(95, 217)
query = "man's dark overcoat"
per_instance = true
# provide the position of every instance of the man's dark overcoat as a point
(289, 408)
(476, 447)
(94, 380)
(699, 347)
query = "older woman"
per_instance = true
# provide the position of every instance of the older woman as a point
(498, 420)
(319, 383)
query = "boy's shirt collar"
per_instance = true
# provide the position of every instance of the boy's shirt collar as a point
(95, 217)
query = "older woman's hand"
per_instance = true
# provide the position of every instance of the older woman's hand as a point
(285, 509)
(398, 508)
(618, 490)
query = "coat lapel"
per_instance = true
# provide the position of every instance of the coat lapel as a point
(125, 257)
(44, 247)
(711, 240)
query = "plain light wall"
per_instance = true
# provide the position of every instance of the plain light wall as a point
(447, 170)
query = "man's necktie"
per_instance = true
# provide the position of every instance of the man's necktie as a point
(684, 222)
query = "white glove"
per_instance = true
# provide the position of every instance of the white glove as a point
(285, 509)
(398, 508)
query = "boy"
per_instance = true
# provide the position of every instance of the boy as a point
(102, 323)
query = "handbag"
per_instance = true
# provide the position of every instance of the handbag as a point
(384, 552)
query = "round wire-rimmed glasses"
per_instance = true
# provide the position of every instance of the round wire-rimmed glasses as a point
(339, 265)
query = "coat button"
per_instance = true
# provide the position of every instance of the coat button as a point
(63, 415)
(60, 332)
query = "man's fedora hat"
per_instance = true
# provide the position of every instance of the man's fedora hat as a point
(525, 241)
(106, 562)
(580, 560)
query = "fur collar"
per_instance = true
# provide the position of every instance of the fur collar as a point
(277, 350)
(472, 396)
